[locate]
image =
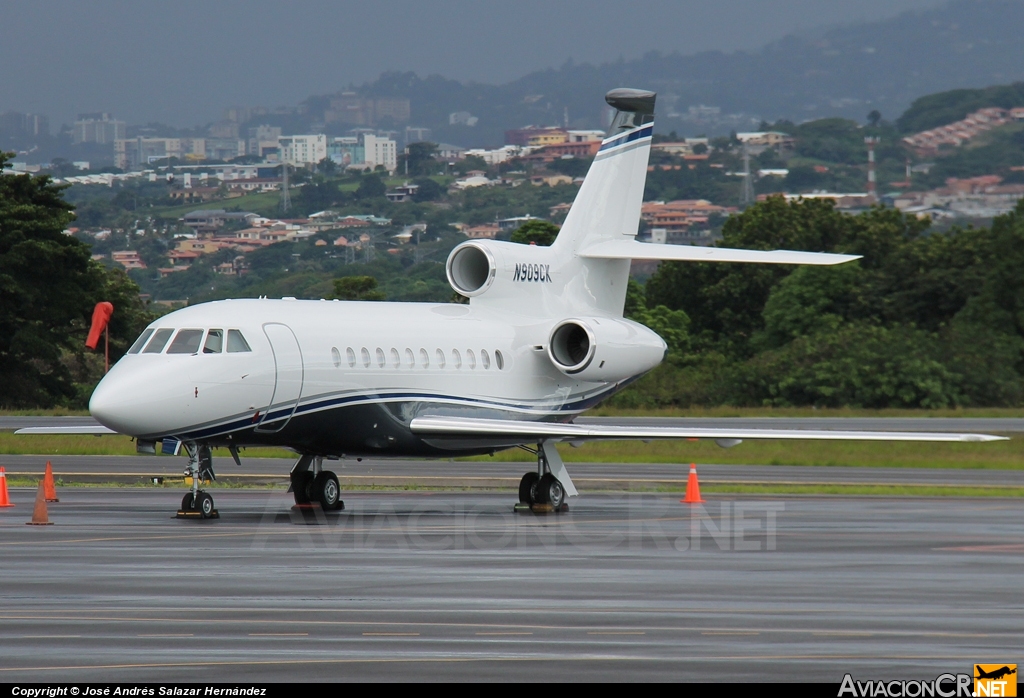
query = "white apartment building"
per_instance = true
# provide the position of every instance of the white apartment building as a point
(380, 151)
(303, 150)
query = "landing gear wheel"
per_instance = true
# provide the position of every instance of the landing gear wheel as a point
(550, 491)
(326, 490)
(301, 483)
(528, 488)
(204, 504)
(188, 502)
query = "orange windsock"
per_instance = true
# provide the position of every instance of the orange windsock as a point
(5, 498)
(692, 488)
(49, 490)
(100, 317)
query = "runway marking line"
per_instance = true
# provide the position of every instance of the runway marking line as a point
(391, 634)
(616, 632)
(477, 660)
(424, 624)
(278, 634)
(167, 635)
(48, 637)
(504, 633)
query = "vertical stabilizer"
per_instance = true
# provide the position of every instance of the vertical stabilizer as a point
(607, 206)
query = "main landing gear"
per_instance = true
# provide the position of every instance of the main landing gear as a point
(547, 488)
(312, 484)
(198, 504)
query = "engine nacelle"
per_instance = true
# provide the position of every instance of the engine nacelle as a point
(604, 349)
(471, 269)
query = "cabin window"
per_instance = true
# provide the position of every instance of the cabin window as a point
(456, 358)
(485, 360)
(366, 357)
(214, 342)
(350, 354)
(410, 358)
(396, 360)
(336, 357)
(499, 360)
(159, 341)
(440, 358)
(424, 358)
(380, 357)
(470, 358)
(186, 342)
(140, 342)
(237, 343)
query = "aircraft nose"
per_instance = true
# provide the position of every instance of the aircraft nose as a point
(105, 405)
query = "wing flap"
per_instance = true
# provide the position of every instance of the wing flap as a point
(631, 249)
(458, 427)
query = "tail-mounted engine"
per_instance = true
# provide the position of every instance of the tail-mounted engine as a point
(471, 269)
(603, 349)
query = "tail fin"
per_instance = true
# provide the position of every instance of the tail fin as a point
(607, 206)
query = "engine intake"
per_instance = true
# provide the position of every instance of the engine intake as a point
(470, 269)
(571, 346)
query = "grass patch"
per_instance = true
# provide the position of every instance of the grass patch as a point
(996, 455)
(106, 445)
(864, 490)
(782, 412)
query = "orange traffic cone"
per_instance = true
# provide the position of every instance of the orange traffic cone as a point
(5, 499)
(49, 491)
(692, 488)
(39, 515)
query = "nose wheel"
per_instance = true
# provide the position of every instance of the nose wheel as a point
(198, 504)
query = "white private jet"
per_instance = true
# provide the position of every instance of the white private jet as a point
(541, 340)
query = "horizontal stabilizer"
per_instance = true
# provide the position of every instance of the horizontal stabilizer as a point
(456, 427)
(96, 430)
(631, 249)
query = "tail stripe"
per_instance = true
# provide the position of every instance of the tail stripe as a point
(642, 132)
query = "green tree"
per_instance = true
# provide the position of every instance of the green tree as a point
(428, 190)
(420, 159)
(539, 232)
(371, 186)
(357, 288)
(48, 287)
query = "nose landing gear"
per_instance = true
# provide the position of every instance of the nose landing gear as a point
(198, 504)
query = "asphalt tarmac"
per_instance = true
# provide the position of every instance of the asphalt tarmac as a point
(416, 586)
(491, 475)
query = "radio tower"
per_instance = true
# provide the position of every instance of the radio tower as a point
(747, 194)
(871, 142)
(286, 202)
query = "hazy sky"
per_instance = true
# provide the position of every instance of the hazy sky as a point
(182, 62)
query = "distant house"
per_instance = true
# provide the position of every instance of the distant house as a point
(209, 221)
(402, 194)
(129, 259)
(488, 231)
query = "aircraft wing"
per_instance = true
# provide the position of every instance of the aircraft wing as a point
(95, 430)
(507, 430)
(631, 249)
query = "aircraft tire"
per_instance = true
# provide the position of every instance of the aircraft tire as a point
(550, 491)
(528, 488)
(326, 490)
(204, 504)
(188, 502)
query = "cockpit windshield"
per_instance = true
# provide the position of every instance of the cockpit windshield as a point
(188, 341)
